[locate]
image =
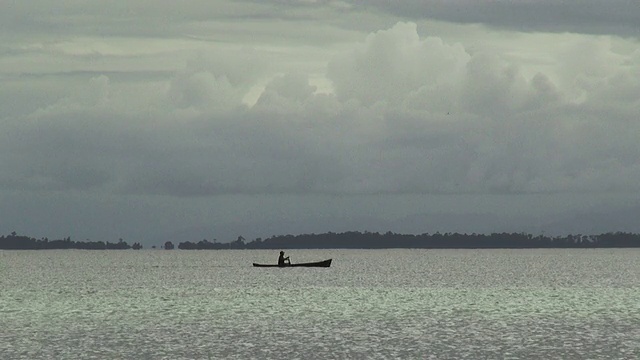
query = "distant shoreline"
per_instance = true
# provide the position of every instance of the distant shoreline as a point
(351, 240)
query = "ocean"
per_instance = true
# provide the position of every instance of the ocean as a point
(370, 304)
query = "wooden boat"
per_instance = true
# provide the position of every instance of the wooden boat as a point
(325, 263)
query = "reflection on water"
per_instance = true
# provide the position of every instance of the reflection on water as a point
(374, 304)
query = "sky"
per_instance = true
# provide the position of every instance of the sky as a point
(154, 120)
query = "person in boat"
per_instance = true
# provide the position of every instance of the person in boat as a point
(282, 260)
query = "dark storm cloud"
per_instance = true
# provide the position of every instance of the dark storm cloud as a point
(145, 18)
(615, 17)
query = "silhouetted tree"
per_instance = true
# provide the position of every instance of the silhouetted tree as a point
(353, 240)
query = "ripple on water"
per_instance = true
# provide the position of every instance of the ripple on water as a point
(370, 304)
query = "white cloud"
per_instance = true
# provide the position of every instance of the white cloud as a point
(202, 89)
(393, 63)
(409, 115)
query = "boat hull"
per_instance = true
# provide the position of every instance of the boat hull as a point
(325, 263)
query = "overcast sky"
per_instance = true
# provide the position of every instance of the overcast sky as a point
(150, 120)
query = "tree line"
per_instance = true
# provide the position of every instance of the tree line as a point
(375, 240)
(14, 241)
(354, 240)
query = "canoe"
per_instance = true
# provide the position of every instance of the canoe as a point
(325, 263)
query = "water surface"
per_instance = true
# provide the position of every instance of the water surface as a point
(373, 304)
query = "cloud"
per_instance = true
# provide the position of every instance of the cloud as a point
(409, 114)
(201, 89)
(393, 63)
(616, 17)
